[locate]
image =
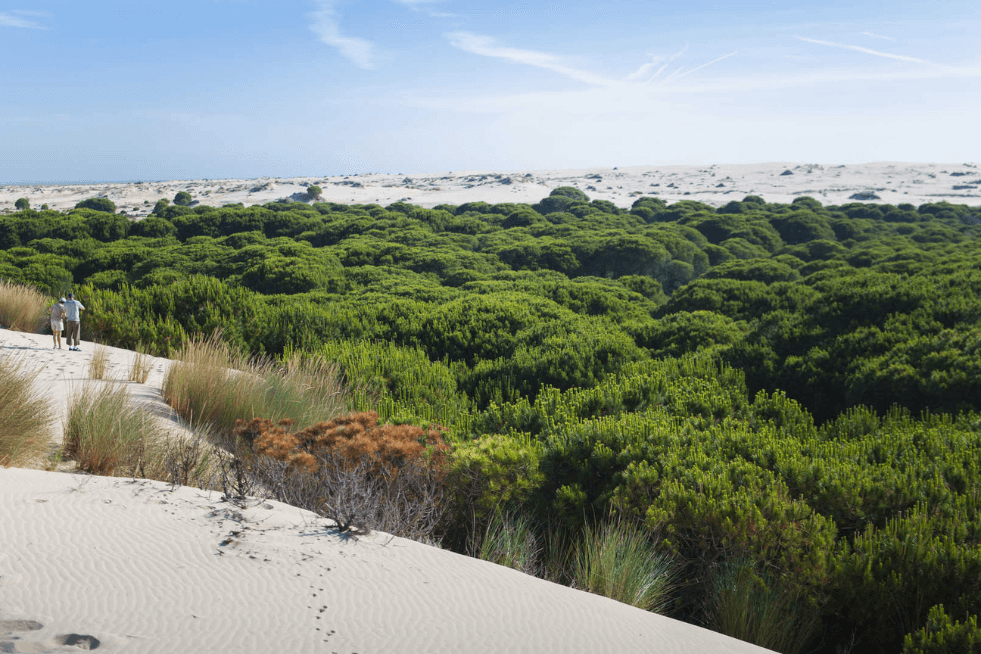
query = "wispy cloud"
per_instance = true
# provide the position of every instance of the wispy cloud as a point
(418, 5)
(325, 25)
(684, 73)
(425, 7)
(600, 101)
(489, 47)
(877, 36)
(868, 51)
(23, 19)
(645, 74)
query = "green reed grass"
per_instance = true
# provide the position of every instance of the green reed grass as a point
(213, 386)
(25, 414)
(510, 540)
(106, 434)
(618, 561)
(22, 308)
(760, 609)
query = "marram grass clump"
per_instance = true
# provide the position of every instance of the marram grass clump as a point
(510, 540)
(617, 561)
(106, 434)
(25, 414)
(139, 371)
(99, 364)
(22, 307)
(212, 386)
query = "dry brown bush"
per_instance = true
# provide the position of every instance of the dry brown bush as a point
(353, 471)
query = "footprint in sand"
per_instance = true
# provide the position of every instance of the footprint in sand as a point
(80, 641)
(11, 639)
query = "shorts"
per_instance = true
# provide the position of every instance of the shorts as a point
(57, 326)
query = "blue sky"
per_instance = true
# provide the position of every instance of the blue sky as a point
(153, 90)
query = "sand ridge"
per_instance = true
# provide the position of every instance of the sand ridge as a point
(141, 566)
(716, 185)
(126, 565)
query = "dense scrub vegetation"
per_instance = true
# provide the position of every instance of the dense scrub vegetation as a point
(787, 396)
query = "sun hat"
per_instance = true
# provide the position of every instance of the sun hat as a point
(61, 300)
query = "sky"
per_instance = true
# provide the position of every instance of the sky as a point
(153, 90)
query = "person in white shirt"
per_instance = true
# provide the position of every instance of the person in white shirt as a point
(73, 309)
(57, 321)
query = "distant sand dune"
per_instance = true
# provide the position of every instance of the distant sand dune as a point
(893, 183)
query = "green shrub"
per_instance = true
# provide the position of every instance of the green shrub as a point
(885, 580)
(941, 635)
(486, 475)
(97, 204)
(401, 383)
(182, 199)
(21, 204)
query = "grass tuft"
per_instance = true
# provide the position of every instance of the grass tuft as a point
(212, 386)
(22, 307)
(617, 561)
(759, 609)
(510, 540)
(99, 365)
(139, 372)
(25, 415)
(106, 434)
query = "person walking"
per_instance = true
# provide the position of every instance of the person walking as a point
(73, 320)
(57, 321)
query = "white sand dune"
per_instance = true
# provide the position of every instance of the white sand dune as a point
(121, 565)
(59, 371)
(716, 185)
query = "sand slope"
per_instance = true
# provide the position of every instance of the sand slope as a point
(139, 566)
(121, 565)
(59, 371)
(883, 182)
